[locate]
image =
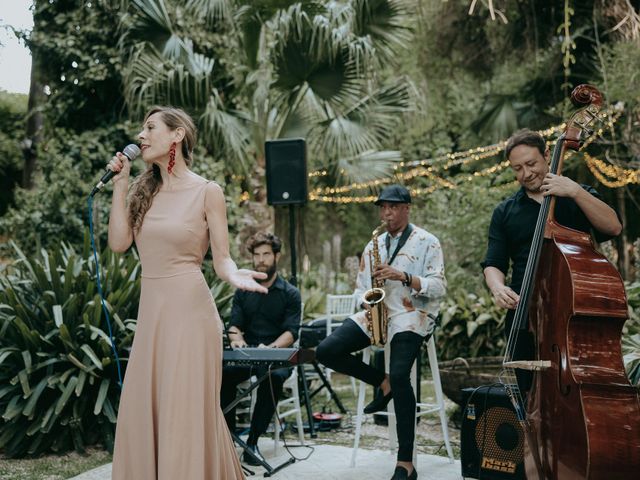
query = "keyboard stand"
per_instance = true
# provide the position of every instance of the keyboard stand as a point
(302, 379)
(269, 469)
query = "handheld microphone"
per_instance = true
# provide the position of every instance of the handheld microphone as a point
(131, 151)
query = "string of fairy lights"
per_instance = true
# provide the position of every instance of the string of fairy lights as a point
(609, 175)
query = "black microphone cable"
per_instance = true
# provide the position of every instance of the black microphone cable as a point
(277, 424)
(102, 300)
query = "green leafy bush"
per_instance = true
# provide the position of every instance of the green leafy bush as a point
(631, 355)
(69, 164)
(463, 236)
(471, 326)
(633, 299)
(631, 335)
(13, 108)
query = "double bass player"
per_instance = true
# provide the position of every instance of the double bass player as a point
(512, 225)
(567, 308)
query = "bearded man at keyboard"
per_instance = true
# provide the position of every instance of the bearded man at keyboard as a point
(259, 320)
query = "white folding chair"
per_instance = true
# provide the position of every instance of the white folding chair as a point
(246, 405)
(292, 406)
(421, 408)
(339, 308)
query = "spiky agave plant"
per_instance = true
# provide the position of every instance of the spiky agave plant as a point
(58, 379)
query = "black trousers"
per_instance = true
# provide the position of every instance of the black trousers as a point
(335, 352)
(264, 407)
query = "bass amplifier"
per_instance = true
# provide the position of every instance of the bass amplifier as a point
(492, 440)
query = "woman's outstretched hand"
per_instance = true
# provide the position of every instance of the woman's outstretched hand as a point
(246, 280)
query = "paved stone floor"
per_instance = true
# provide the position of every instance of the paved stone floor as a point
(330, 462)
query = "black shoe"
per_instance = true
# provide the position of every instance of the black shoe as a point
(378, 403)
(248, 459)
(402, 473)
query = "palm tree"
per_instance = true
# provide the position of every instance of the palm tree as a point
(301, 68)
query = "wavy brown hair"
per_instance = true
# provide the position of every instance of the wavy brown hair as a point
(147, 184)
(264, 238)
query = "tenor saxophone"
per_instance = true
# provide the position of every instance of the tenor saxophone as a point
(377, 315)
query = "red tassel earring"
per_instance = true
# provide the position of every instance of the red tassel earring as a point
(172, 157)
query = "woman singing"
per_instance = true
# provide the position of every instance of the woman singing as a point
(170, 425)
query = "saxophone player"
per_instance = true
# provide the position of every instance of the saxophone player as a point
(411, 269)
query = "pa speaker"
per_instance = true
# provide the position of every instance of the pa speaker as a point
(492, 440)
(286, 171)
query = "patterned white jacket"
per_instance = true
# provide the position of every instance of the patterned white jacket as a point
(409, 309)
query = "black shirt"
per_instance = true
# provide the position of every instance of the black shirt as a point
(513, 224)
(264, 317)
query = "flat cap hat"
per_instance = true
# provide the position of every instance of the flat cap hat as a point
(395, 194)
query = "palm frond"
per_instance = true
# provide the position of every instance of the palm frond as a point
(295, 126)
(382, 110)
(254, 16)
(307, 69)
(308, 52)
(153, 13)
(250, 26)
(343, 137)
(370, 165)
(498, 122)
(226, 133)
(212, 10)
(378, 114)
(152, 79)
(498, 117)
(149, 22)
(380, 26)
(258, 83)
(360, 133)
(293, 25)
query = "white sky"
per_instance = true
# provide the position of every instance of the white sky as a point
(15, 59)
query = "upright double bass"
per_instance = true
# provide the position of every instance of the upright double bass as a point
(582, 417)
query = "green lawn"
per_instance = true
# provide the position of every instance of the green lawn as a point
(52, 467)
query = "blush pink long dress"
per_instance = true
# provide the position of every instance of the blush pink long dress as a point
(170, 424)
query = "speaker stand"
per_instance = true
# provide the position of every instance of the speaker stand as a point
(292, 243)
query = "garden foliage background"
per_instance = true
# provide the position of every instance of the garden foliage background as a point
(375, 86)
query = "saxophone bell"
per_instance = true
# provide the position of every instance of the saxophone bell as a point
(373, 296)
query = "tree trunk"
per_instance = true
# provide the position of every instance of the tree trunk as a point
(34, 120)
